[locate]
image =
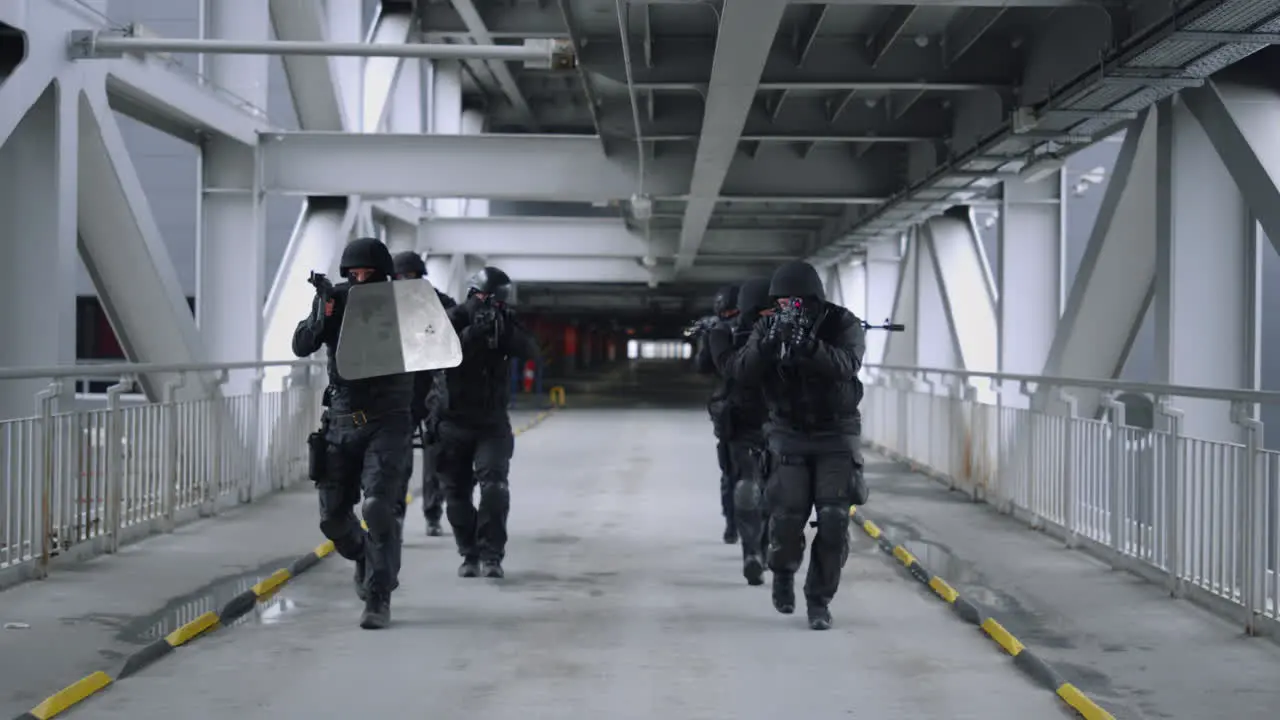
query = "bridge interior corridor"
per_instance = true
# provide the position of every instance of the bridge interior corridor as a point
(620, 600)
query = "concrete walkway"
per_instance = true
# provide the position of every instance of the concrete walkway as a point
(620, 601)
(1125, 642)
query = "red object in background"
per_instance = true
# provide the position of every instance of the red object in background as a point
(611, 353)
(529, 375)
(570, 341)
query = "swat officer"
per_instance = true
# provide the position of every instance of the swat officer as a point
(367, 432)
(409, 266)
(807, 355)
(726, 308)
(746, 414)
(476, 442)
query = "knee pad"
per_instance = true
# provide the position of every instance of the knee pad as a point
(833, 522)
(497, 492)
(746, 496)
(380, 515)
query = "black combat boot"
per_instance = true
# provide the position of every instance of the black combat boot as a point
(730, 532)
(469, 568)
(753, 570)
(492, 569)
(819, 617)
(784, 593)
(433, 528)
(377, 611)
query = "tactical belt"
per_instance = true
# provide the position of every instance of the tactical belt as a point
(360, 418)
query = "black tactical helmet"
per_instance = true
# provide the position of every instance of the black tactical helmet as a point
(726, 299)
(796, 279)
(753, 296)
(492, 281)
(409, 262)
(367, 252)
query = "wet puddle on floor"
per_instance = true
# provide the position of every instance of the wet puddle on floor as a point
(211, 597)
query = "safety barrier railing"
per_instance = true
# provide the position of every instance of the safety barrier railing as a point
(1188, 497)
(77, 481)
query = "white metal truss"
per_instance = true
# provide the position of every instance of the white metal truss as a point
(1113, 286)
(358, 94)
(745, 36)
(963, 278)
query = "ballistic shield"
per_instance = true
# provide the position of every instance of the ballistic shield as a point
(395, 327)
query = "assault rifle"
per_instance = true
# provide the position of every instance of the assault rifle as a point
(700, 326)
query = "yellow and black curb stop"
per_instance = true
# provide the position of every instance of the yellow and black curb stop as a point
(1023, 658)
(536, 421)
(239, 606)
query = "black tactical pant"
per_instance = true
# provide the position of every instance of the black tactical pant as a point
(728, 477)
(468, 457)
(749, 507)
(366, 455)
(432, 495)
(432, 489)
(824, 482)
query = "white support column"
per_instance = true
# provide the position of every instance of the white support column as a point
(1112, 289)
(1206, 296)
(901, 348)
(853, 280)
(884, 266)
(231, 240)
(1240, 120)
(1032, 231)
(473, 123)
(38, 193)
(937, 341)
(446, 119)
(325, 224)
(960, 265)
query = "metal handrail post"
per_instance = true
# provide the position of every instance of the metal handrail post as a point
(115, 462)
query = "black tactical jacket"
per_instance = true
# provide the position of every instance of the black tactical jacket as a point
(814, 397)
(478, 391)
(374, 396)
(746, 411)
(705, 363)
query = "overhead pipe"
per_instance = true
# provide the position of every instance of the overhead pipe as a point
(554, 54)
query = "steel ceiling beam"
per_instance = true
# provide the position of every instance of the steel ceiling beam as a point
(586, 237)
(89, 44)
(611, 270)
(806, 116)
(747, 32)
(543, 167)
(497, 65)
(831, 64)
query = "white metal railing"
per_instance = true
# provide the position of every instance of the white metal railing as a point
(1200, 515)
(76, 482)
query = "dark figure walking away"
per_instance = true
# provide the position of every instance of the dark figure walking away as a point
(726, 308)
(807, 356)
(476, 442)
(409, 266)
(746, 415)
(367, 430)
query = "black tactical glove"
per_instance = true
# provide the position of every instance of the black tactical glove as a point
(768, 331)
(483, 320)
